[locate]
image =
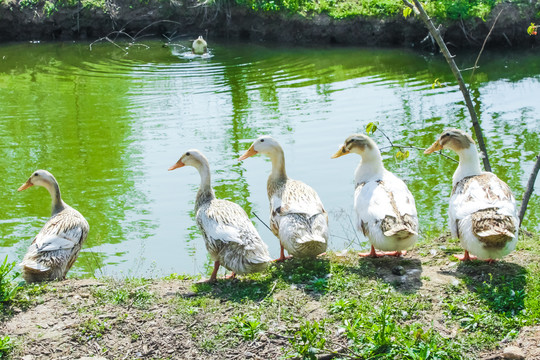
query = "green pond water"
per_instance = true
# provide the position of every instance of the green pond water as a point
(108, 123)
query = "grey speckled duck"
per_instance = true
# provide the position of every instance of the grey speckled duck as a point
(297, 215)
(230, 238)
(56, 247)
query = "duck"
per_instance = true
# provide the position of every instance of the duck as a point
(384, 206)
(199, 46)
(229, 235)
(482, 212)
(55, 248)
(297, 215)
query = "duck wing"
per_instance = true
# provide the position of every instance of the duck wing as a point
(58, 241)
(387, 203)
(298, 215)
(489, 202)
(224, 223)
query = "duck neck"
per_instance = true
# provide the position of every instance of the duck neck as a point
(469, 164)
(370, 166)
(278, 166)
(57, 202)
(205, 193)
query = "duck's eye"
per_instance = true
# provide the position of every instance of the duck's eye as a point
(35, 174)
(187, 154)
(262, 140)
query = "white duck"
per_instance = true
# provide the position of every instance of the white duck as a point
(297, 215)
(482, 211)
(199, 46)
(385, 208)
(56, 247)
(230, 238)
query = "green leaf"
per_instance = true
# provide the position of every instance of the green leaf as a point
(531, 30)
(407, 11)
(371, 127)
(400, 155)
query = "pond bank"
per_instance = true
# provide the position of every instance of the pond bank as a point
(338, 306)
(173, 18)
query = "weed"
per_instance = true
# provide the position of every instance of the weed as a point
(130, 292)
(342, 305)
(91, 329)
(8, 289)
(247, 326)
(319, 285)
(5, 347)
(309, 340)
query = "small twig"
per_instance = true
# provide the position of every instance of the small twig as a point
(155, 22)
(257, 216)
(529, 190)
(484, 44)
(270, 292)
(420, 149)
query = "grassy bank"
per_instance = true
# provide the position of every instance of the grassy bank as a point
(424, 306)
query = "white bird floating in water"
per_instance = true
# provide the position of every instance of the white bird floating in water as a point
(482, 211)
(56, 247)
(230, 238)
(297, 215)
(385, 208)
(199, 46)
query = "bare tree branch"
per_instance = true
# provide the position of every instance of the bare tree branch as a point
(529, 190)
(484, 44)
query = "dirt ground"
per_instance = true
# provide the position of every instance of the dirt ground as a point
(53, 327)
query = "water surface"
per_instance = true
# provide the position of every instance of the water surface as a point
(108, 124)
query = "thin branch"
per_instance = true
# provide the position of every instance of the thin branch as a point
(529, 190)
(419, 10)
(257, 216)
(484, 44)
(156, 22)
(420, 149)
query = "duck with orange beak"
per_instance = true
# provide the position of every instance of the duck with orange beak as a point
(385, 208)
(482, 211)
(297, 215)
(229, 235)
(57, 245)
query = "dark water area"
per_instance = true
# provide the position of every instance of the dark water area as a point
(108, 122)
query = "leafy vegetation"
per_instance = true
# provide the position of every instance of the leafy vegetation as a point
(338, 9)
(5, 346)
(8, 289)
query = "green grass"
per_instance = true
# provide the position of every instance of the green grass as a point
(338, 305)
(130, 292)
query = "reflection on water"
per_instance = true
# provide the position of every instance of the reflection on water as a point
(109, 124)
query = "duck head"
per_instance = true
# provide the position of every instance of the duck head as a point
(356, 143)
(264, 145)
(38, 178)
(192, 157)
(453, 139)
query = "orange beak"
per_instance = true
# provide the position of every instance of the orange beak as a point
(342, 151)
(436, 146)
(25, 186)
(178, 164)
(251, 151)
